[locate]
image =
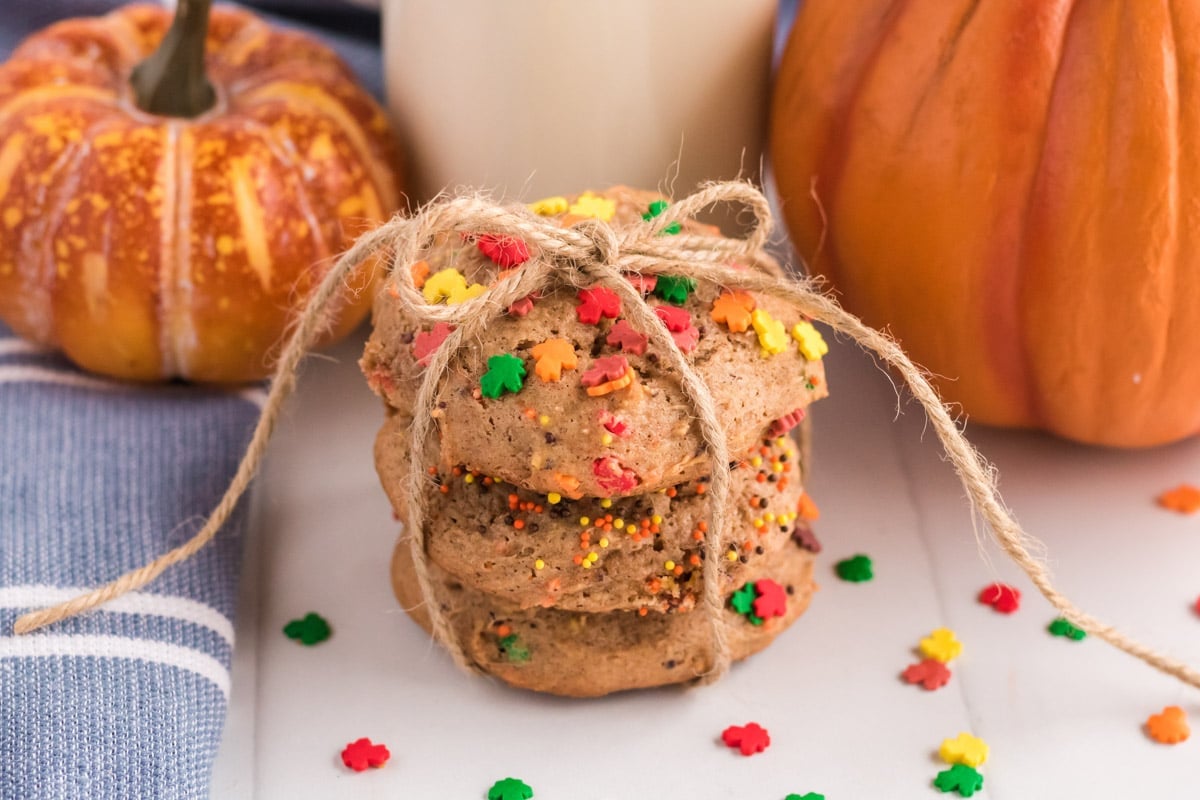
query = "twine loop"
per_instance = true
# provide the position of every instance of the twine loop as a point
(594, 253)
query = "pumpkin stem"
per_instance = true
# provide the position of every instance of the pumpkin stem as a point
(171, 81)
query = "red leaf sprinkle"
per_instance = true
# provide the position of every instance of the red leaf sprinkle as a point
(613, 476)
(1000, 596)
(771, 600)
(679, 323)
(930, 673)
(523, 306)
(506, 251)
(427, 342)
(361, 754)
(595, 303)
(788, 421)
(604, 370)
(643, 283)
(625, 337)
(749, 739)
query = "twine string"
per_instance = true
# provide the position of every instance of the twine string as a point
(583, 255)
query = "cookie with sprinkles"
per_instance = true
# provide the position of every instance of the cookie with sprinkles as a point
(580, 654)
(643, 552)
(567, 396)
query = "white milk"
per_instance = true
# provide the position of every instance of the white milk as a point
(542, 97)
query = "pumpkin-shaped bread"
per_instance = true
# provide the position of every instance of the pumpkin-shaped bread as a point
(151, 246)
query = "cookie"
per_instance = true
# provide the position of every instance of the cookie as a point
(598, 411)
(630, 553)
(588, 655)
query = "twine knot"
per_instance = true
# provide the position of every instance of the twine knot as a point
(603, 258)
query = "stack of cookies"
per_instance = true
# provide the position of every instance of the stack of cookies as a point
(568, 481)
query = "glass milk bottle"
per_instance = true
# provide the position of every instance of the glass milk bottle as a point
(541, 97)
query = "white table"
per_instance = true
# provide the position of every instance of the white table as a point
(1063, 719)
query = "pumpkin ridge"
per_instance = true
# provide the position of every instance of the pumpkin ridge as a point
(950, 49)
(1035, 412)
(321, 102)
(1154, 373)
(175, 284)
(833, 160)
(125, 35)
(20, 101)
(287, 155)
(46, 283)
(236, 47)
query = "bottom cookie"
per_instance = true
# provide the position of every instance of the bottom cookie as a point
(587, 655)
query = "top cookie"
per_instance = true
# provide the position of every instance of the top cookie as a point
(562, 395)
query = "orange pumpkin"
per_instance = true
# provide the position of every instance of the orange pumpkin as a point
(1011, 188)
(148, 246)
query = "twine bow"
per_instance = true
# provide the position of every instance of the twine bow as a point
(587, 254)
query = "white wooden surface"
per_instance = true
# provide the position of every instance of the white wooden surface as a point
(1063, 719)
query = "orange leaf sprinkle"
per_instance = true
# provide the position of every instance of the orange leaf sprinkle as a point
(1184, 498)
(553, 356)
(1169, 727)
(733, 309)
(807, 509)
(420, 272)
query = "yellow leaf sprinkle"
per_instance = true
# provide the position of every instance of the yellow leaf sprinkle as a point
(549, 206)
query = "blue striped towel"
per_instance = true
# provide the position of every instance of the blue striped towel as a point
(98, 477)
